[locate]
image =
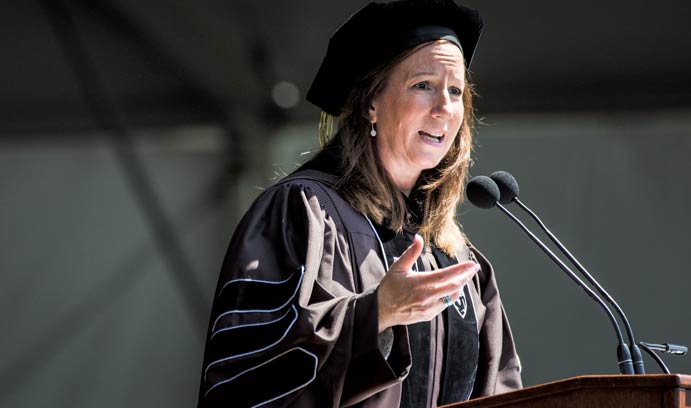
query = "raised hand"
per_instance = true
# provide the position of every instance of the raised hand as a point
(407, 297)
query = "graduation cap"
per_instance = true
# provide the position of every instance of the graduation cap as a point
(379, 32)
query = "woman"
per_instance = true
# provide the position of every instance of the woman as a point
(349, 282)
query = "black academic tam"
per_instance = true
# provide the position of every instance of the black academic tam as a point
(379, 32)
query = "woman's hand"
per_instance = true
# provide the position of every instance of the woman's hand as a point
(407, 297)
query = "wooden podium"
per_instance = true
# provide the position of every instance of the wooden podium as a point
(596, 391)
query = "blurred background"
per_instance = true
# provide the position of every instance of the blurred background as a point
(134, 134)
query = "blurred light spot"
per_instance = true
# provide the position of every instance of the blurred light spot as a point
(285, 94)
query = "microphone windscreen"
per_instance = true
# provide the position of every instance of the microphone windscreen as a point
(508, 186)
(482, 192)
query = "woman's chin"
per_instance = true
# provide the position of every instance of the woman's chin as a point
(430, 162)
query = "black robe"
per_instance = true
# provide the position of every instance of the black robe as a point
(294, 318)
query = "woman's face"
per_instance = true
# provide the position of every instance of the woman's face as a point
(419, 111)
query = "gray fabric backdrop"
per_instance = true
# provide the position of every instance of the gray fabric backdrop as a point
(91, 315)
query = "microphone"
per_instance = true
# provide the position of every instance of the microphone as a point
(483, 192)
(508, 188)
(675, 349)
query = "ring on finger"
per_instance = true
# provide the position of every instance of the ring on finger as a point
(446, 300)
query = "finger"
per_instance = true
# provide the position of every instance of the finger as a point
(453, 292)
(410, 255)
(462, 271)
(451, 288)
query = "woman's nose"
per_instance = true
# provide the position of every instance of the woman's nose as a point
(442, 105)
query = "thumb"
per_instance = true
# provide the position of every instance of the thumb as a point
(409, 256)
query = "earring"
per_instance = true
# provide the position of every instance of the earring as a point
(372, 132)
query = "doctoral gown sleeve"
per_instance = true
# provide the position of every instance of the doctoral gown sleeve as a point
(499, 367)
(290, 325)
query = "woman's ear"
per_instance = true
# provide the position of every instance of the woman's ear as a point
(372, 112)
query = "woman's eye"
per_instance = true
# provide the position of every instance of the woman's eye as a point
(421, 85)
(455, 91)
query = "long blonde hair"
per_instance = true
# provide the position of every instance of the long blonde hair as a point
(366, 185)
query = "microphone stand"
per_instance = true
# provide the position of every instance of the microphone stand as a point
(623, 352)
(635, 352)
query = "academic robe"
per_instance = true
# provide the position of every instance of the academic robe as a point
(294, 322)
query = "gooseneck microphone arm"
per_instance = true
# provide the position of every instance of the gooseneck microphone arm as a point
(623, 353)
(635, 351)
(483, 192)
(655, 357)
(508, 189)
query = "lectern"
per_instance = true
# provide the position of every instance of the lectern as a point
(596, 391)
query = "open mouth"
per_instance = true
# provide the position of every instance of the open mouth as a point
(430, 137)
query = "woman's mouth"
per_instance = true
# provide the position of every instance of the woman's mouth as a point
(432, 138)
